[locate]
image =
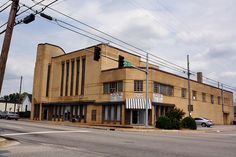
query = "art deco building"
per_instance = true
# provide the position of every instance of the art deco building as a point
(75, 86)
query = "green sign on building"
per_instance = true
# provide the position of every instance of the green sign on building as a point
(127, 63)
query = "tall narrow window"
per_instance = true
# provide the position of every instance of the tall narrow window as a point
(194, 96)
(183, 92)
(204, 97)
(48, 79)
(212, 99)
(218, 100)
(72, 77)
(62, 77)
(83, 75)
(67, 76)
(77, 76)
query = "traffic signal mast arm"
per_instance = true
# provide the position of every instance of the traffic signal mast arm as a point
(121, 61)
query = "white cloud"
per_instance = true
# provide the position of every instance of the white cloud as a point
(203, 29)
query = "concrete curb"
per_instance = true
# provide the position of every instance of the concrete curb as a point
(114, 128)
(7, 141)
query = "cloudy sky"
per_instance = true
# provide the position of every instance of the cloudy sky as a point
(170, 29)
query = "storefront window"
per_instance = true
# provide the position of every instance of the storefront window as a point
(112, 113)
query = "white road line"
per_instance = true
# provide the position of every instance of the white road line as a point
(45, 132)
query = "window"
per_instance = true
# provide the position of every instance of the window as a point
(48, 80)
(83, 75)
(72, 77)
(94, 115)
(212, 99)
(138, 85)
(62, 77)
(218, 98)
(164, 89)
(194, 97)
(183, 92)
(112, 113)
(112, 87)
(204, 97)
(118, 112)
(67, 76)
(77, 76)
(226, 100)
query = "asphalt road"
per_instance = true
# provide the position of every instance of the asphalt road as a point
(37, 140)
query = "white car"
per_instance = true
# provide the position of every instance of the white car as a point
(203, 122)
(9, 115)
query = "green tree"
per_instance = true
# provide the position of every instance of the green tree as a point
(6, 99)
(175, 113)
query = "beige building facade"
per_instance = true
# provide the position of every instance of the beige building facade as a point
(74, 86)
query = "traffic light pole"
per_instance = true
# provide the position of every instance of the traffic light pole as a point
(7, 40)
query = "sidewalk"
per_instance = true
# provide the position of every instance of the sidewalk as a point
(126, 128)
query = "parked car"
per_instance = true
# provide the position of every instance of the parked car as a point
(2, 114)
(203, 122)
(9, 115)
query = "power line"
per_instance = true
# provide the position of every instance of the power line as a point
(109, 35)
(4, 4)
(104, 34)
(5, 8)
(29, 7)
(20, 14)
(77, 32)
(112, 37)
(3, 24)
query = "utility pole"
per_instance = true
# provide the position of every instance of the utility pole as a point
(21, 78)
(147, 100)
(18, 106)
(189, 95)
(7, 40)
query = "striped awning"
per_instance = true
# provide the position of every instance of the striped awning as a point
(137, 103)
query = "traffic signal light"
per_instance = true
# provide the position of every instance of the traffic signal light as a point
(97, 53)
(121, 62)
(29, 18)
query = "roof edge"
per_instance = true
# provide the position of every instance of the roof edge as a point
(53, 46)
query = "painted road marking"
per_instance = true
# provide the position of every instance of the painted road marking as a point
(45, 132)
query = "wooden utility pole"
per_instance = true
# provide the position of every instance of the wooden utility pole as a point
(7, 40)
(21, 78)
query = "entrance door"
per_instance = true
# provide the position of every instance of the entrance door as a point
(225, 118)
(45, 114)
(137, 116)
(67, 113)
(134, 117)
